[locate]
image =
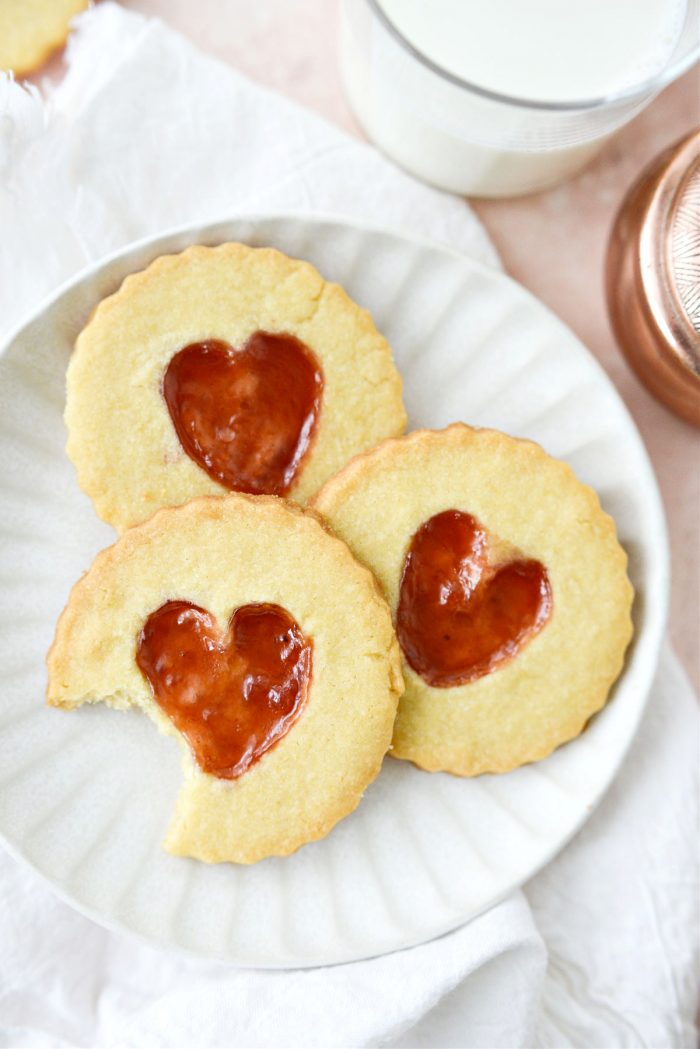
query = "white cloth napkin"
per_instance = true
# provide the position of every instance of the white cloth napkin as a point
(146, 133)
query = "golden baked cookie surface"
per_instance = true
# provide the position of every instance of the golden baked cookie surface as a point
(121, 437)
(30, 30)
(532, 506)
(220, 555)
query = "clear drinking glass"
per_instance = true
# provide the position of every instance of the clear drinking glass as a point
(470, 140)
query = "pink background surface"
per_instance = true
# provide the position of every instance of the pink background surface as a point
(554, 243)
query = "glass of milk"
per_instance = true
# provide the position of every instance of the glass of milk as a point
(495, 98)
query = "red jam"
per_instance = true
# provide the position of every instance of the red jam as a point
(458, 617)
(246, 416)
(232, 695)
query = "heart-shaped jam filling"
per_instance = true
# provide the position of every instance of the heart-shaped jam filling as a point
(459, 617)
(246, 416)
(232, 695)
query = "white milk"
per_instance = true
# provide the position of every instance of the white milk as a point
(550, 51)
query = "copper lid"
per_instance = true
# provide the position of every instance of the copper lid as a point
(653, 277)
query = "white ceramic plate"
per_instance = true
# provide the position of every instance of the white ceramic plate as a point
(85, 797)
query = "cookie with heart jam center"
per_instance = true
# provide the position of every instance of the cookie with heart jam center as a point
(224, 369)
(507, 585)
(221, 620)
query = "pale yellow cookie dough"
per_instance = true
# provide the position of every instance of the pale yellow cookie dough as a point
(220, 554)
(31, 30)
(121, 438)
(533, 506)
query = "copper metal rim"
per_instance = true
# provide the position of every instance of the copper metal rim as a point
(653, 277)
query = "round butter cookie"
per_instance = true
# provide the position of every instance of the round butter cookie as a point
(508, 589)
(31, 30)
(224, 369)
(242, 627)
